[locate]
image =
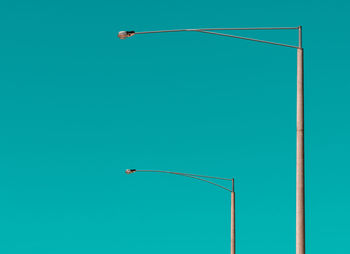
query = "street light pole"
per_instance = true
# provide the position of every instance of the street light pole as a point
(233, 219)
(201, 178)
(300, 188)
(300, 178)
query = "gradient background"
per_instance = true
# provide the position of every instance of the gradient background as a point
(78, 106)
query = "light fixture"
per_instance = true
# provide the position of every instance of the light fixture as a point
(125, 34)
(130, 171)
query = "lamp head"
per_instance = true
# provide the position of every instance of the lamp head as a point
(130, 171)
(125, 34)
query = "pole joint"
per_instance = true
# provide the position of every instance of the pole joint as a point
(300, 37)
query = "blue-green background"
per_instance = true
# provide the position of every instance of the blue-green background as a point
(79, 106)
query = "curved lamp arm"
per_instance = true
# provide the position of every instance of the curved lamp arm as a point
(126, 34)
(198, 177)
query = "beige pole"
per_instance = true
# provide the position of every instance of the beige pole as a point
(300, 188)
(233, 226)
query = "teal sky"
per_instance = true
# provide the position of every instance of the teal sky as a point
(78, 107)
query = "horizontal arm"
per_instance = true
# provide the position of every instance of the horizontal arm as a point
(208, 31)
(198, 177)
(218, 29)
(178, 173)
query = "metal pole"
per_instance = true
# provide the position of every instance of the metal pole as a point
(233, 225)
(300, 188)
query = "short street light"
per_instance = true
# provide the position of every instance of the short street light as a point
(200, 177)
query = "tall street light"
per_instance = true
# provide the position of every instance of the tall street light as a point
(200, 177)
(300, 189)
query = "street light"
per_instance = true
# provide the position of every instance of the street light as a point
(200, 177)
(300, 179)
